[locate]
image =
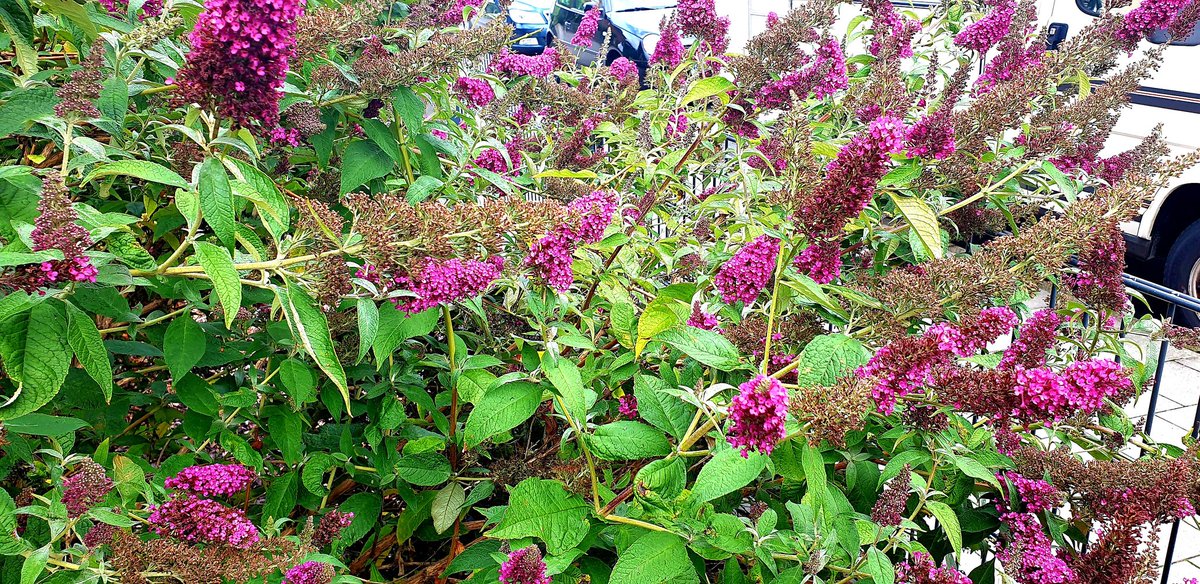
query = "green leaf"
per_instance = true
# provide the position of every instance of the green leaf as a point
(912, 458)
(85, 341)
(271, 205)
(34, 564)
(426, 469)
(312, 331)
(114, 100)
(218, 266)
(622, 320)
(395, 327)
(36, 356)
(828, 358)
(544, 509)
(628, 440)
(73, 12)
(18, 21)
(383, 137)
(657, 318)
(707, 87)
(565, 376)
(44, 425)
(655, 558)
(129, 478)
(902, 175)
(216, 201)
(16, 258)
(410, 108)
(726, 473)
(363, 162)
(366, 508)
(975, 469)
(312, 476)
(923, 221)
(10, 543)
(126, 247)
(501, 409)
(945, 515)
(196, 394)
(879, 567)
(183, 345)
(281, 496)
(707, 347)
(105, 516)
(446, 505)
(140, 169)
(299, 380)
(368, 326)
(660, 408)
(665, 477)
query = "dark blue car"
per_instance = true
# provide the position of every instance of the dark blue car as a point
(634, 25)
(530, 20)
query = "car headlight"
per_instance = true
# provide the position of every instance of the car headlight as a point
(649, 44)
(526, 17)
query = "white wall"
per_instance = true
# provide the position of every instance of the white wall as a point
(748, 17)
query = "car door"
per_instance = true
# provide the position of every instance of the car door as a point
(564, 24)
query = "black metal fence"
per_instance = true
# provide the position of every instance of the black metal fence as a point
(1174, 301)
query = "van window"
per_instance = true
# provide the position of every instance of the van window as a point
(1094, 7)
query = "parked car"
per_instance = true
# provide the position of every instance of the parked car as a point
(634, 25)
(530, 20)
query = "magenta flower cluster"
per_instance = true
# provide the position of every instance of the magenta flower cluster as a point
(749, 271)
(1038, 495)
(85, 488)
(454, 14)
(701, 319)
(150, 8)
(1044, 394)
(889, 27)
(239, 57)
(476, 92)
(197, 520)
(515, 64)
(966, 341)
(823, 75)
(586, 31)
(550, 256)
(624, 70)
(920, 569)
(492, 160)
(758, 412)
(1149, 16)
(932, 136)
(308, 573)
(627, 406)
(56, 227)
(1037, 335)
(212, 480)
(822, 261)
(1004, 66)
(436, 282)
(524, 566)
(1028, 556)
(698, 19)
(669, 50)
(983, 34)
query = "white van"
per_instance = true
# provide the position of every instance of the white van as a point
(1168, 232)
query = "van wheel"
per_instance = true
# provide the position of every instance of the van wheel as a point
(1182, 271)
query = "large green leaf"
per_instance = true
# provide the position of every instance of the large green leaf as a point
(218, 265)
(24, 106)
(946, 516)
(183, 345)
(923, 221)
(395, 327)
(627, 440)
(36, 356)
(272, 206)
(657, 318)
(707, 347)
(281, 496)
(544, 509)
(85, 341)
(655, 558)
(17, 19)
(312, 331)
(565, 376)
(363, 162)
(216, 201)
(665, 411)
(827, 358)
(10, 543)
(368, 326)
(727, 472)
(446, 505)
(141, 169)
(709, 86)
(501, 409)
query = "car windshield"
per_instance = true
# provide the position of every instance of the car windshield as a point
(631, 5)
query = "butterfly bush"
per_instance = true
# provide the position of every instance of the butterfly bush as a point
(356, 291)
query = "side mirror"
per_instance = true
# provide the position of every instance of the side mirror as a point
(1056, 34)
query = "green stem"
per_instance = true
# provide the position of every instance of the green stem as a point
(451, 349)
(587, 454)
(774, 309)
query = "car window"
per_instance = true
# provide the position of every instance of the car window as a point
(623, 5)
(1095, 7)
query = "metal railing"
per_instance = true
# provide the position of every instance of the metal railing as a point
(1175, 300)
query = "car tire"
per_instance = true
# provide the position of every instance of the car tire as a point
(1182, 271)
